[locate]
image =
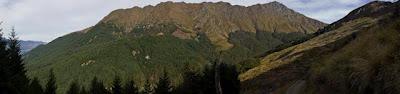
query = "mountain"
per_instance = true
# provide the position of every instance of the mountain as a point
(27, 46)
(358, 54)
(139, 43)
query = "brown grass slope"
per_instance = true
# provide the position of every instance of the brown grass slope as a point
(217, 20)
(361, 56)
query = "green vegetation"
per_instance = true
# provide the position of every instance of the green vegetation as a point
(163, 85)
(248, 46)
(74, 88)
(130, 88)
(35, 87)
(116, 86)
(105, 51)
(81, 56)
(12, 72)
(51, 84)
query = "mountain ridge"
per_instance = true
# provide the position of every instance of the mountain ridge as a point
(196, 17)
(136, 43)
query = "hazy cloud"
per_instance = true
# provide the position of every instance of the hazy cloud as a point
(46, 20)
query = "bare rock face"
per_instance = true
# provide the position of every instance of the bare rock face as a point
(216, 20)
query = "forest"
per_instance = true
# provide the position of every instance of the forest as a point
(216, 78)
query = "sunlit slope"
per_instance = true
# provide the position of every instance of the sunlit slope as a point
(358, 57)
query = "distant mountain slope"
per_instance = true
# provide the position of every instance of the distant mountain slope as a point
(360, 56)
(27, 46)
(139, 43)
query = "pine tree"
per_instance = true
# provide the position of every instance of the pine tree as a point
(116, 88)
(191, 83)
(83, 90)
(97, 87)
(163, 85)
(129, 88)
(5, 85)
(12, 69)
(207, 81)
(35, 87)
(230, 82)
(73, 88)
(51, 84)
(147, 88)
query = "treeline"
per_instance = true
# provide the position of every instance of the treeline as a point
(205, 82)
(215, 78)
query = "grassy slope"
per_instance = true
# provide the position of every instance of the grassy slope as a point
(369, 63)
(358, 57)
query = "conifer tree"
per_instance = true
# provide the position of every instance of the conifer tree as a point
(130, 88)
(229, 79)
(163, 85)
(147, 88)
(12, 68)
(83, 90)
(207, 81)
(73, 88)
(97, 87)
(116, 86)
(5, 85)
(51, 84)
(35, 87)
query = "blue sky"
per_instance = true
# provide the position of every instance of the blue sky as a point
(45, 20)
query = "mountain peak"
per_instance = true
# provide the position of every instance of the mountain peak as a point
(226, 18)
(276, 3)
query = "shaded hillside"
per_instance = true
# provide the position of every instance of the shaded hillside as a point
(138, 43)
(359, 57)
(372, 10)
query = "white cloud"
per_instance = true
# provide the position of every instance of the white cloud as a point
(46, 20)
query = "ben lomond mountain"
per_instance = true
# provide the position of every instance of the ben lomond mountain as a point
(216, 20)
(139, 43)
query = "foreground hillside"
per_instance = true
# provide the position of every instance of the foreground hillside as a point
(139, 43)
(356, 55)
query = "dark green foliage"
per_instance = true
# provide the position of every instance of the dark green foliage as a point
(97, 87)
(205, 82)
(35, 87)
(230, 82)
(16, 67)
(163, 85)
(112, 55)
(130, 88)
(83, 90)
(73, 88)
(191, 84)
(5, 85)
(51, 86)
(116, 86)
(13, 78)
(147, 88)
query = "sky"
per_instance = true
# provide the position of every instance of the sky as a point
(45, 20)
